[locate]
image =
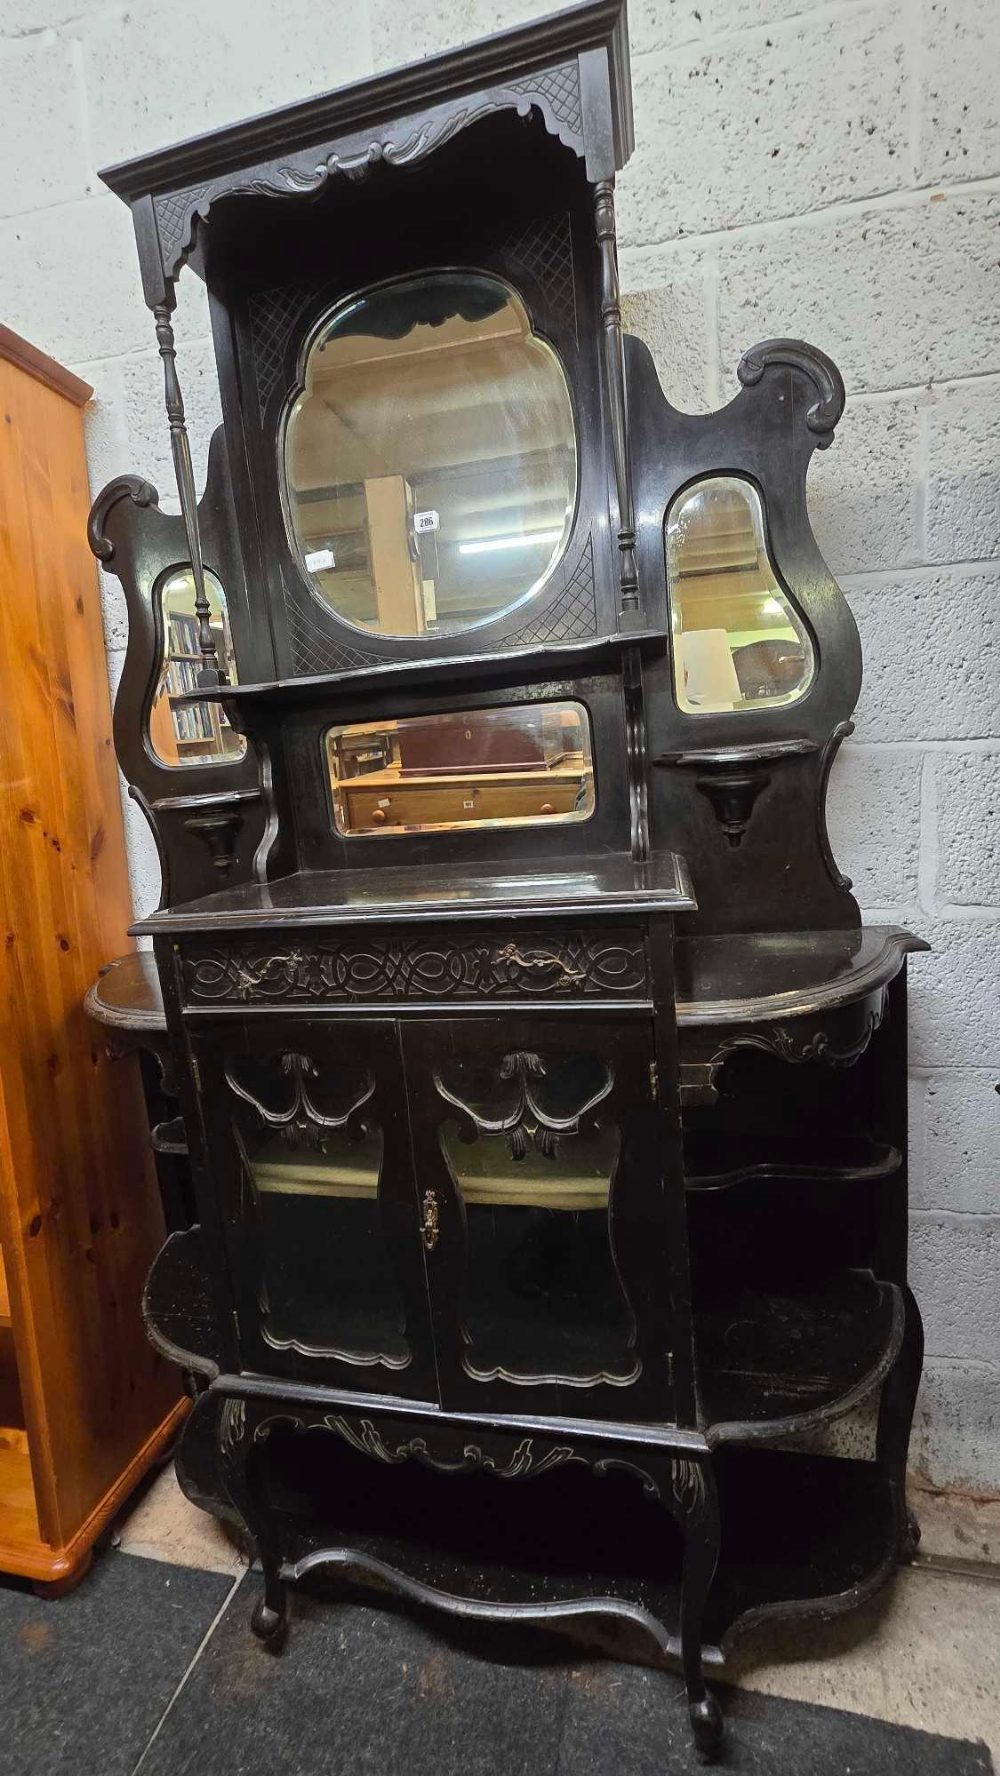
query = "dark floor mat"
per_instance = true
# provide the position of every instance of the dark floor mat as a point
(364, 1687)
(84, 1679)
(622, 1720)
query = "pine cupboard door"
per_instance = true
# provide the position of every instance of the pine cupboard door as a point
(310, 1156)
(550, 1220)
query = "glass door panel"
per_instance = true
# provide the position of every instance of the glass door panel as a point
(326, 1282)
(310, 1122)
(542, 1293)
(533, 1204)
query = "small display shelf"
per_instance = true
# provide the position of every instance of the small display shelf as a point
(714, 1161)
(770, 1363)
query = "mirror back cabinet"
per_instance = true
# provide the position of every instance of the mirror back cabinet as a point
(544, 1095)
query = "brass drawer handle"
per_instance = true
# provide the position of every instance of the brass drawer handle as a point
(430, 1227)
(538, 961)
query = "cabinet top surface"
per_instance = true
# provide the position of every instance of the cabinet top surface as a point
(750, 977)
(718, 979)
(582, 887)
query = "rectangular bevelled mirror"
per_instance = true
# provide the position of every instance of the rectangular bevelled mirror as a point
(510, 766)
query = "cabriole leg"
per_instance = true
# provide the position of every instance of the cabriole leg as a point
(899, 1396)
(244, 1481)
(695, 1505)
(700, 1522)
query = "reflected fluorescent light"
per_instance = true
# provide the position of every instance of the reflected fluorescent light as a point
(524, 539)
(772, 608)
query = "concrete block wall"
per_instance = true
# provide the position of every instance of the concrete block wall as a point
(828, 170)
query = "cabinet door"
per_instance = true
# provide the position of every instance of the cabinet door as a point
(309, 1149)
(552, 1219)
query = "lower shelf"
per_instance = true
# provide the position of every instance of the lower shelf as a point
(771, 1360)
(800, 1533)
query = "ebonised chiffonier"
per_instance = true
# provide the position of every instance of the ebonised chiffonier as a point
(545, 1098)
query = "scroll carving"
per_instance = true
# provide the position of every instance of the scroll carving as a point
(416, 968)
(837, 1038)
(131, 487)
(300, 1123)
(822, 372)
(679, 1481)
(522, 1111)
(523, 1462)
(554, 92)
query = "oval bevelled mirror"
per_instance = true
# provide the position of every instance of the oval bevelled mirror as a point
(739, 642)
(430, 462)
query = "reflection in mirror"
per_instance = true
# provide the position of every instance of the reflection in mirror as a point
(739, 642)
(430, 461)
(534, 1157)
(191, 733)
(542, 1296)
(481, 767)
(327, 1284)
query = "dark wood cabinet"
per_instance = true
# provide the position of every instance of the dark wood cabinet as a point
(544, 1097)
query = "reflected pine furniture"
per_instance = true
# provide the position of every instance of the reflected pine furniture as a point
(543, 1095)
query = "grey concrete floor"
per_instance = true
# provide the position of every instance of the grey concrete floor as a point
(924, 1653)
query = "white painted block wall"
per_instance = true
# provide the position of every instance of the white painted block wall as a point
(830, 171)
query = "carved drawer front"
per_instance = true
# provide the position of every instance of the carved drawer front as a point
(419, 967)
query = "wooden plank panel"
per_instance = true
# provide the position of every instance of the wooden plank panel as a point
(18, 1516)
(78, 1202)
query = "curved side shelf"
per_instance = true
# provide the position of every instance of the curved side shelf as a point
(709, 1162)
(126, 997)
(170, 1137)
(773, 1365)
(804, 1536)
(179, 1316)
(766, 978)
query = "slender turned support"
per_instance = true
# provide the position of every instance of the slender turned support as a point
(614, 366)
(635, 744)
(208, 672)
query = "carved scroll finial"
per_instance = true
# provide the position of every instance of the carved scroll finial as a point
(614, 364)
(822, 372)
(131, 487)
(208, 672)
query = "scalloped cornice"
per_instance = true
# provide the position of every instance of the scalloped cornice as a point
(554, 93)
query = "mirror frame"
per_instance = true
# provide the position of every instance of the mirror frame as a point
(325, 321)
(498, 824)
(755, 705)
(549, 257)
(160, 630)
